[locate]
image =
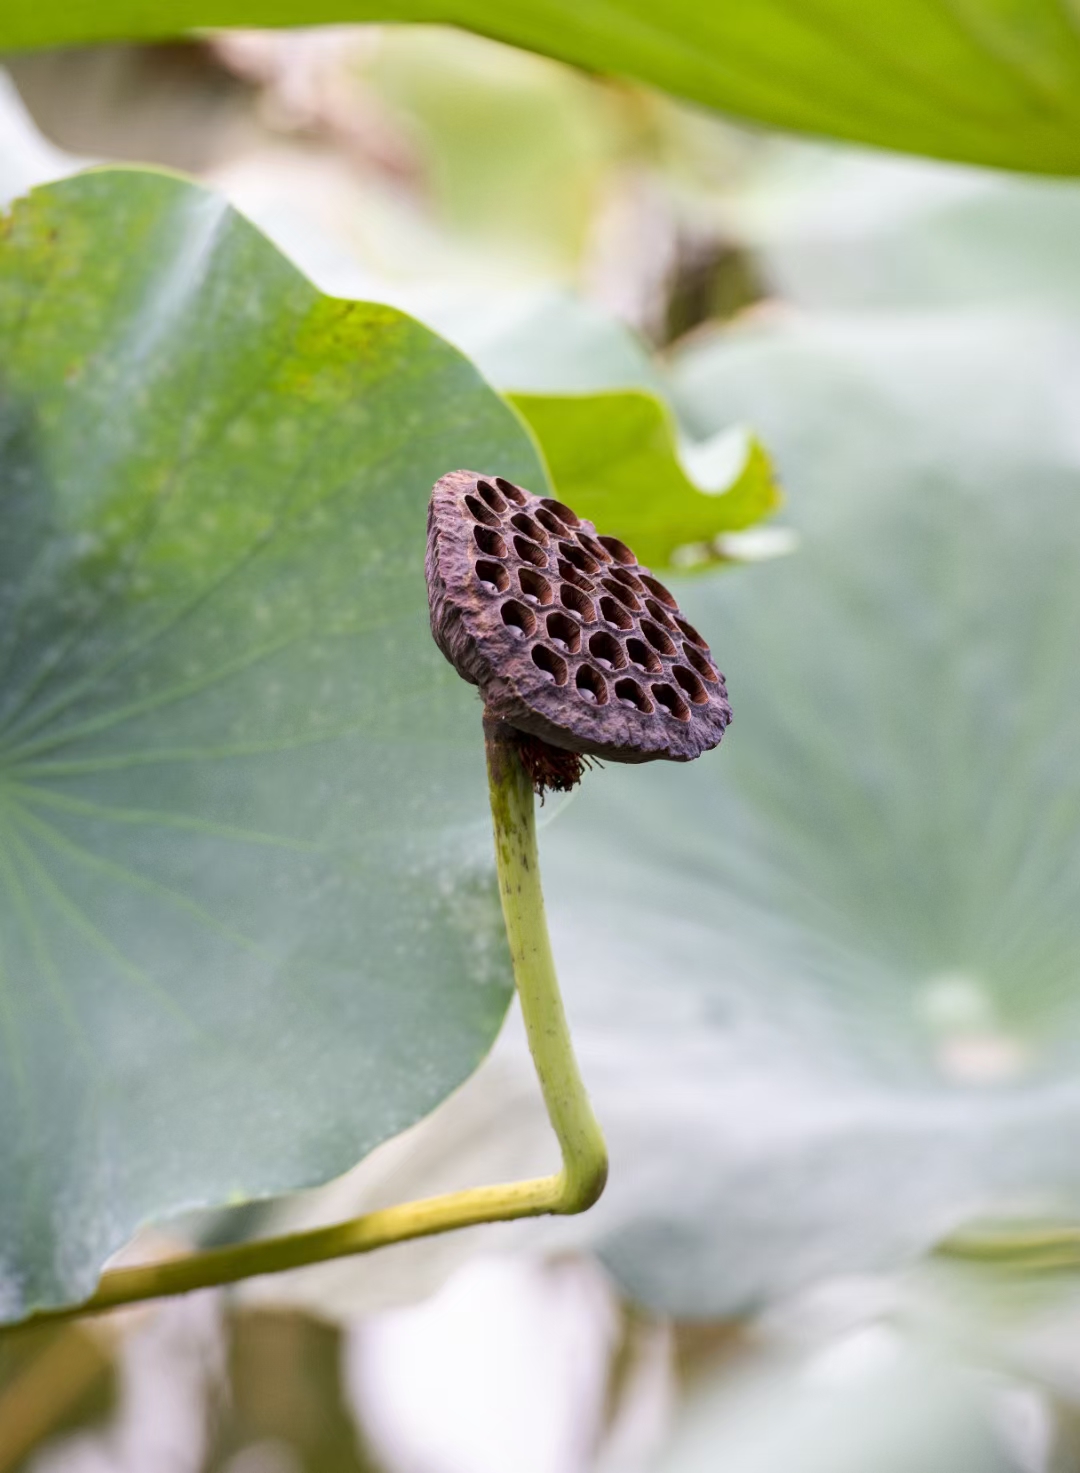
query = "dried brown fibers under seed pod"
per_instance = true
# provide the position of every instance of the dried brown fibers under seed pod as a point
(569, 638)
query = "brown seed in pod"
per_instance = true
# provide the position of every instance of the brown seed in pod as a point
(568, 636)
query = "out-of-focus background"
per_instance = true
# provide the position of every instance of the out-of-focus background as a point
(782, 1160)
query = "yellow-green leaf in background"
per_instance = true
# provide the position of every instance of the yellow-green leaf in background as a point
(613, 457)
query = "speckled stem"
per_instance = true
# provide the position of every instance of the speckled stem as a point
(573, 1189)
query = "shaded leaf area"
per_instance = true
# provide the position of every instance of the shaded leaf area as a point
(981, 82)
(247, 924)
(825, 979)
(613, 458)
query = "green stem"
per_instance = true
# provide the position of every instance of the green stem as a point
(584, 1169)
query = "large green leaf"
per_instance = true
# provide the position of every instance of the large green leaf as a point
(983, 81)
(827, 979)
(247, 928)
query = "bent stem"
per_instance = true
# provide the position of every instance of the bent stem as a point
(572, 1189)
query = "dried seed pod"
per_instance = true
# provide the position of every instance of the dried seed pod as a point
(568, 637)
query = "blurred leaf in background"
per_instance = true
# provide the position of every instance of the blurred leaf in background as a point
(987, 84)
(614, 459)
(842, 953)
(425, 163)
(840, 230)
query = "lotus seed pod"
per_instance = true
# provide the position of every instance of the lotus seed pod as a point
(568, 637)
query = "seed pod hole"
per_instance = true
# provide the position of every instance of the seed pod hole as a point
(656, 637)
(700, 663)
(660, 614)
(526, 524)
(626, 596)
(481, 512)
(691, 633)
(577, 603)
(593, 548)
(571, 575)
(553, 665)
(535, 586)
(549, 520)
(530, 552)
(657, 589)
(614, 613)
(493, 576)
(592, 685)
(618, 550)
(489, 542)
(564, 633)
(691, 685)
(607, 651)
(556, 508)
(509, 490)
(631, 580)
(518, 618)
(672, 702)
(492, 497)
(579, 558)
(643, 656)
(629, 693)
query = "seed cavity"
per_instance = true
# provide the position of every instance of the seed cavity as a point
(579, 558)
(593, 547)
(553, 665)
(492, 497)
(577, 603)
(557, 509)
(614, 613)
(700, 663)
(660, 614)
(489, 542)
(525, 523)
(549, 520)
(624, 575)
(571, 575)
(530, 552)
(657, 589)
(511, 492)
(563, 632)
(691, 633)
(592, 685)
(481, 512)
(535, 586)
(493, 576)
(629, 693)
(691, 685)
(625, 596)
(672, 702)
(643, 656)
(657, 638)
(518, 618)
(607, 651)
(618, 550)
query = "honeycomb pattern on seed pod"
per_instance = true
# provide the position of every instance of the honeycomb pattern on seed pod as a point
(567, 635)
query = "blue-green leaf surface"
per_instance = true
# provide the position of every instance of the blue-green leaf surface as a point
(826, 980)
(247, 924)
